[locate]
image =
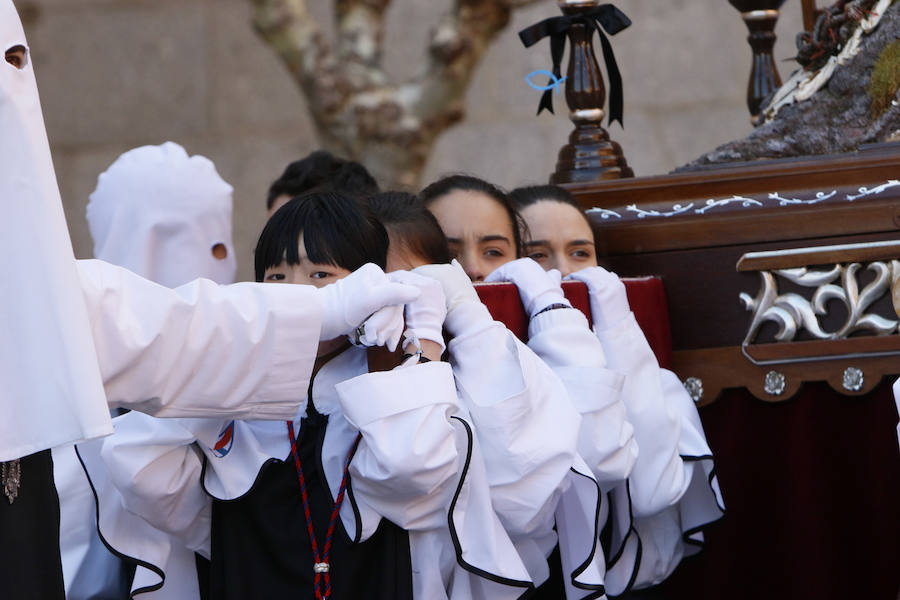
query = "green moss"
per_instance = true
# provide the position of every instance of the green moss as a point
(885, 78)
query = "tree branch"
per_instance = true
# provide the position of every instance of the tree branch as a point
(358, 113)
(297, 39)
(361, 32)
(456, 47)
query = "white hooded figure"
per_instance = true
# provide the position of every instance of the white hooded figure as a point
(75, 335)
(52, 389)
(165, 216)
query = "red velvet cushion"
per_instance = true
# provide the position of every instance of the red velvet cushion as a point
(646, 296)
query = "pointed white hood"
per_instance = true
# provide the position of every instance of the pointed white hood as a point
(159, 212)
(50, 387)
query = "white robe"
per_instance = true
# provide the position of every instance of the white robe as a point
(52, 390)
(563, 339)
(417, 465)
(68, 334)
(528, 430)
(157, 212)
(201, 350)
(672, 491)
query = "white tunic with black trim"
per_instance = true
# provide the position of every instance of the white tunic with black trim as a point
(417, 466)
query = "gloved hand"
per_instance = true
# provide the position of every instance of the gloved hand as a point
(366, 295)
(465, 312)
(456, 284)
(538, 288)
(424, 315)
(609, 302)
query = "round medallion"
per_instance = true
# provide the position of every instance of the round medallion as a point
(774, 383)
(694, 387)
(853, 379)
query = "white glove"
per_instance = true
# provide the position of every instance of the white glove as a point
(456, 284)
(609, 302)
(425, 315)
(383, 328)
(538, 288)
(366, 295)
(465, 312)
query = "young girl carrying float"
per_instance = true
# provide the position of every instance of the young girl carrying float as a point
(561, 548)
(671, 505)
(670, 491)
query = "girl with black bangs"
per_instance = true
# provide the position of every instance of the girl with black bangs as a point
(324, 228)
(317, 239)
(328, 505)
(394, 480)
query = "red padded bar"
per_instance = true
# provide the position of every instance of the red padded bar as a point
(646, 295)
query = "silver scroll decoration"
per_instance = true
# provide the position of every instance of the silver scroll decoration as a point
(771, 200)
(793, 313)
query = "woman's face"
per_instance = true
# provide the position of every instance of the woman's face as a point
(478, 230)
(560, 237)
(306, 272)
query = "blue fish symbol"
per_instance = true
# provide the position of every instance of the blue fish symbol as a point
(553, 83)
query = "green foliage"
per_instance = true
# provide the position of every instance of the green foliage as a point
(885, 78)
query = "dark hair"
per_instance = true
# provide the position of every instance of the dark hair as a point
(322, 170)
(413, 226)
(337, 230)
(467, 183)
(528, 195)
(523, 197)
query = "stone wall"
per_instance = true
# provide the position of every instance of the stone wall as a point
(115, 74)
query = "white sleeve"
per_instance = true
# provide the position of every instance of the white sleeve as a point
(201, 350)
(563, 339)
(524, 421)
(405, 467)
(156, 469)
(658, 479)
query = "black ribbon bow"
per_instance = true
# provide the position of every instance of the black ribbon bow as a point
(605, 16)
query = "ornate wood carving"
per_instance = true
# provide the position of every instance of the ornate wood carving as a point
(811, 241)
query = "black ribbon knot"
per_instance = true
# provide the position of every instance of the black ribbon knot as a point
(605, 16)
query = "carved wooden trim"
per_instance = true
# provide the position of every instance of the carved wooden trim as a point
(809, 227)
(820, 255)
(722, 368)
(747, 202)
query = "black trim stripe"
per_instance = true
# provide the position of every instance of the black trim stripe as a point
(581, 568)
(640, 547)
(612, 560)
(528, 585)
(357, 535)
(130, 559)
(685, 536)
(262, 467)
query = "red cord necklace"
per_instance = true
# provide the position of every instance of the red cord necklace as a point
(321, 567)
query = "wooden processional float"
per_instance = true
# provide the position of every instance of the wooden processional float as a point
(782, 298)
